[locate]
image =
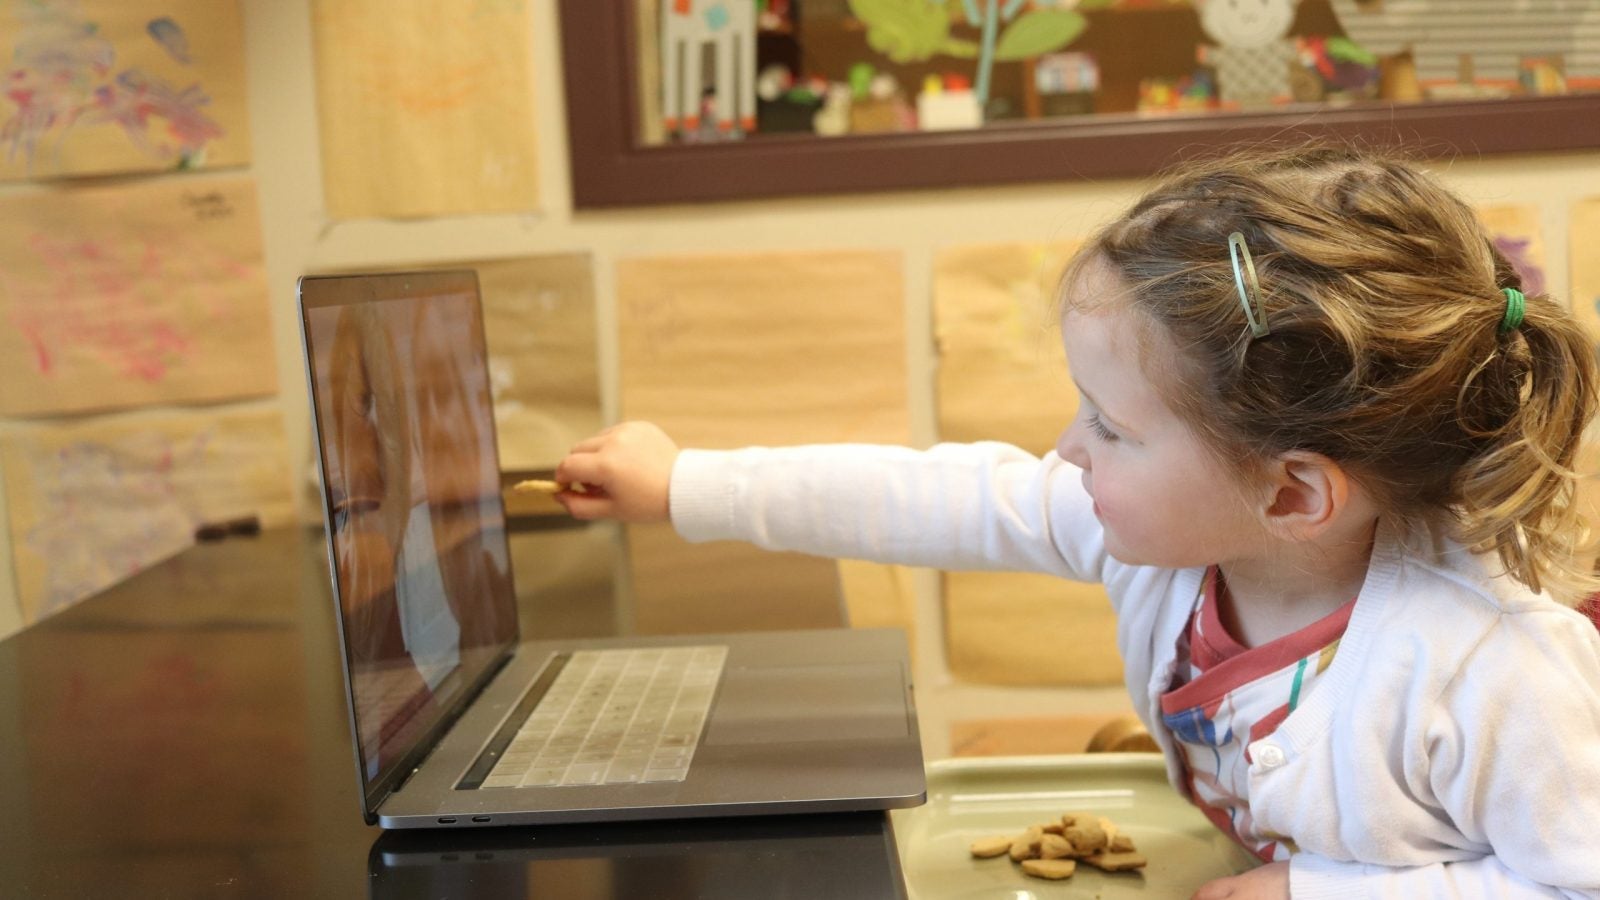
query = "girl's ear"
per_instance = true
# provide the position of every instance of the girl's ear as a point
(1308, 493)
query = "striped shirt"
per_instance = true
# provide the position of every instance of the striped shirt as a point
(1228, 696)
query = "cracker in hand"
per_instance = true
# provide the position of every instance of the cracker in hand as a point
(541, 486)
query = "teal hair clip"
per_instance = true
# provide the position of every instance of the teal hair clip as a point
(1254, 312)
(1516, 303)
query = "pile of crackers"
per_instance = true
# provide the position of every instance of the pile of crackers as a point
(1053, 849)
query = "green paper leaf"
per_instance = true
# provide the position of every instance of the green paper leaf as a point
(1039, 32)
(904, 30)
(1346, 50)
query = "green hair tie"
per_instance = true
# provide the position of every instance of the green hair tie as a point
(1515, 304)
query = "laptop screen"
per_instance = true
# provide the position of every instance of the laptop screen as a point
(400, 390)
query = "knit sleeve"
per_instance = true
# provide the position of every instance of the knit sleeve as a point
(956, 506)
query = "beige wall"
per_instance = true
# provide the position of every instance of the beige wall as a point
(299, 238)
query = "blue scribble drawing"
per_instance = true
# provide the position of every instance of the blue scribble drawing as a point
(169, 34)
(63, 78)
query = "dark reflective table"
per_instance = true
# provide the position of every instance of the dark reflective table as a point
(184, 734)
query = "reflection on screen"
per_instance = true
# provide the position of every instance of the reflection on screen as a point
(407, 440)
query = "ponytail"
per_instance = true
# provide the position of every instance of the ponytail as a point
(1519, 495)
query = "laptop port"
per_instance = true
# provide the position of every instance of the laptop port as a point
(447, 820)
(480, 818)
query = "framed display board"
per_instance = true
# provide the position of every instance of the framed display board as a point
(679, 101)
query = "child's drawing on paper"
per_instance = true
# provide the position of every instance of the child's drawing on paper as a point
(124, 330)
(121, 85)
(1519, 251)
(93, 503)
(1515, 232)
(131, 296)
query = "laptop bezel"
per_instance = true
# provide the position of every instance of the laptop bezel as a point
(345, 290)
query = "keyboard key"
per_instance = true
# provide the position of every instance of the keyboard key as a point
(543, 777)
(584, 773)
(615, 717)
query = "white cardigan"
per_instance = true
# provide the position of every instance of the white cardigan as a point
(1451, 750)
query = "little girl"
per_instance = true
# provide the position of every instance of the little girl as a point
(1323, 465)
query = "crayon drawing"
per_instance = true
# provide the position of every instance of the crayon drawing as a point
(425, 109)
(99, 86)
(1515, 232)
(94, 502)
(129, 296)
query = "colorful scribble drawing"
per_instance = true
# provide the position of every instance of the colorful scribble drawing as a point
(114, 509)
(64, 78)
(96, 501)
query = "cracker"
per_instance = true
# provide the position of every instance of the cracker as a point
(1116, 862)
(983, 848)
(542, 486)
(1054, 846)
(1026, 845)
(1086, 836)
(1053, 849)
(1053, 869)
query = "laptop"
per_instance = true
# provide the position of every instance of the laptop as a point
(459, 720)
(837, 856)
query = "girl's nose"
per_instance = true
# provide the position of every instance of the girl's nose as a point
(1070, 446)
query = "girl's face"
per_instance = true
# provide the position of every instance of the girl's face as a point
(1162, 498)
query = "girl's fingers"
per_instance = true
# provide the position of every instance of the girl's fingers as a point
(585, 506)
(580, 467)
(590, 444)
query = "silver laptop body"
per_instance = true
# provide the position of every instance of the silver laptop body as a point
(451, 711)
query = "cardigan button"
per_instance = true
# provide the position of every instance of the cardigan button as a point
(1268, 756)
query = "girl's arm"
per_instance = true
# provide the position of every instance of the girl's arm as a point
(1315, 878)
(971, 506)
(956, 506)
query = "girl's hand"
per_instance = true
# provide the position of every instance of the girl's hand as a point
(626, 471)
(1269, 882)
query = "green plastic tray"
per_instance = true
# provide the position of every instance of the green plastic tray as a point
(980, 797)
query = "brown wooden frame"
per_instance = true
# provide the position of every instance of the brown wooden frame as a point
(610, 168)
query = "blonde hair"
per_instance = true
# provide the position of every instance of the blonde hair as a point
(1382, 291)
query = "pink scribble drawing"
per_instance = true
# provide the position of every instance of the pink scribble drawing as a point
(135, 309)
(62, 79)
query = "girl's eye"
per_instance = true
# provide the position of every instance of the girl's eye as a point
(1099, 428)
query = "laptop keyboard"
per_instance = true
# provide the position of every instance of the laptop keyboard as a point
(615, 717)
